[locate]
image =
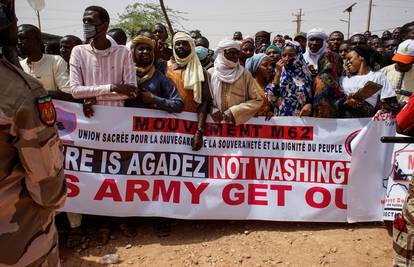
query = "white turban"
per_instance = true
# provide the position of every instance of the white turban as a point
(224, 70)
(313, 58)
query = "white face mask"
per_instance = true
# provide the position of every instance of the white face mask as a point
(89, 31)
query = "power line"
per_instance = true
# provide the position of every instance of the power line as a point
(298, 19)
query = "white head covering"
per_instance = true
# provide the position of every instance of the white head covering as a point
(313, 58)
(193, 75)
(224, 70)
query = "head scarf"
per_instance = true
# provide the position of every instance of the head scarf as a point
(144, 73)
(295, 79)
(202, 52)
(274, 47)
(313, 58)
(244, 56)
(193, 76)
(224, 70)
(253, 63)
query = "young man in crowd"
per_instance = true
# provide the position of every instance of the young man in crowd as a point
(301, 39)
(261, 37)
(357, 39)
(32, 185)
(155, 89)
(67, 43)
(336, 38)
(238, 36)
(191, 81)
(118, 35)
(102, 74)
(401, 73)
(50, 70)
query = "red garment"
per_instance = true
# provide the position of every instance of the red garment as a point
(405, 119)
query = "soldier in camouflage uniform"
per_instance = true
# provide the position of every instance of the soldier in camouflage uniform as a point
(32, 186)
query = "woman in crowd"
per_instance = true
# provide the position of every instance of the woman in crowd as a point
(279, 41)
(292, 84)
(360, 62)
(246, 50)
(274, 53)
(260, 67)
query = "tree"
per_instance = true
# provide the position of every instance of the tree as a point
(143, 16)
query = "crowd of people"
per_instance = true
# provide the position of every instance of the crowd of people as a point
(312, 74)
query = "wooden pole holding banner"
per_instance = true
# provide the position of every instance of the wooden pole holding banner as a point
(38, 20)
(164, 11)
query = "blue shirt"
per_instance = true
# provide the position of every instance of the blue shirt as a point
(166, 96)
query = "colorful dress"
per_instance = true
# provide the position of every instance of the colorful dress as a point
(294, 88)
(327, 90)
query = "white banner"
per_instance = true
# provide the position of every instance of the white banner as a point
(399, 178)
(139, 162)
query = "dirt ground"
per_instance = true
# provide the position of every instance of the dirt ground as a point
(243, 243)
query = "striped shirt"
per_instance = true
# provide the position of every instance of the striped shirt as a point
(92, 72)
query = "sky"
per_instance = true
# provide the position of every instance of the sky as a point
(219, 19)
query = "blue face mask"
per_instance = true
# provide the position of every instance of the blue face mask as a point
(202, 52)
(89, 31)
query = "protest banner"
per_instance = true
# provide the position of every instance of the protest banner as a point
(398, 180)
(139, 162)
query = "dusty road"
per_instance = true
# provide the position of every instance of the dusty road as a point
(244, 243)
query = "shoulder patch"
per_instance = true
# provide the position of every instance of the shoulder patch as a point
(46, 110)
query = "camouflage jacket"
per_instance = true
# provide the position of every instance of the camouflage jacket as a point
(32, 185)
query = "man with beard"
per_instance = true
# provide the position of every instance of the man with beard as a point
(191, 82)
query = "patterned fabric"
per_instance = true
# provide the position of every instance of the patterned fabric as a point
(326, 86)
(32, 185)
(294, 89)
(403, 232)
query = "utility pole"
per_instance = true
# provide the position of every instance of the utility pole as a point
(349, 10)
(369, 15)
(298, 19)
